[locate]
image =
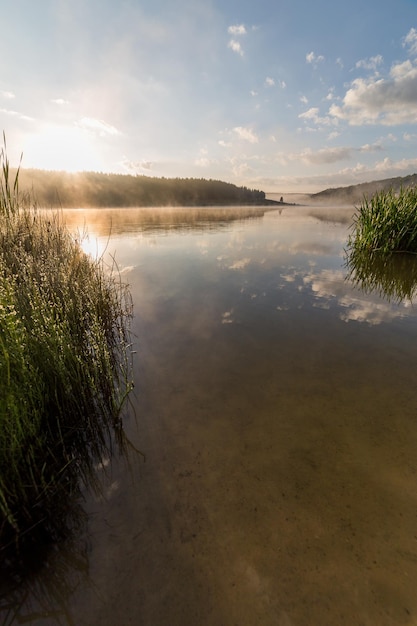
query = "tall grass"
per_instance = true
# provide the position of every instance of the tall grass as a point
(64, 366)
(381, 249)
(386, 223)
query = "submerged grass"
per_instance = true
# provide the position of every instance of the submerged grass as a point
(64, 367)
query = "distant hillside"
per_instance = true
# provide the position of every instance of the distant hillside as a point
(90, 189)
(354, 194)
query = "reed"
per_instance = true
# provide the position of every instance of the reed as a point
(65, 366)
(386, 223)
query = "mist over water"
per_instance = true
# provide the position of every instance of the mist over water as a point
(275, 401)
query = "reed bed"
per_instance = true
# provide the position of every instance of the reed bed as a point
(65, 366)
(386, 223)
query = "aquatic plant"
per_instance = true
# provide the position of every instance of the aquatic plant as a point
(65, 365)
(386, 223)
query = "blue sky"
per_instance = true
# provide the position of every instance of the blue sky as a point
(279, 95)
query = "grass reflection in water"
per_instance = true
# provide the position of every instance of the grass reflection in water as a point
(393, 277)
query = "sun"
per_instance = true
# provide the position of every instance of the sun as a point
(66, 148)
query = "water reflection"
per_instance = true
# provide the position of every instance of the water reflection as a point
(332, 289)
(393, 277)
(159, 220)
(42, 586)
(311, 236)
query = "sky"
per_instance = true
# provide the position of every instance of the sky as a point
(287, 96)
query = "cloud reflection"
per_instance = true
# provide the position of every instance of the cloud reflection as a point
(240, 264)
(330, 286)
(371, 312)
(227, 317)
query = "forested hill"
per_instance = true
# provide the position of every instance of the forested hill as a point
(355, 193)
(89, 189)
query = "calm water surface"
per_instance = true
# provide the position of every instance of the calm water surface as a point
(276, 404)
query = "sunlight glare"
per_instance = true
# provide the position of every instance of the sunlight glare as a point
(92, 245)
(66, 148)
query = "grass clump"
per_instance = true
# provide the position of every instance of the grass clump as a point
(386, 223)
(380, 254)
(64, 367)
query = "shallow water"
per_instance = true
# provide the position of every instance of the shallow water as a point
(276, 405)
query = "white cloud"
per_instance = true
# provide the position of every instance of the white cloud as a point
(402, 70)
(269, 82)
(134, 167)
(202, 162)
(370, 64)
(374, 147)
(246, 133)
(312, 115)
(304, 99)
(326, 155)
(333, 135)
(388, 101)
(387, 166)
(236, 47)
(240, 169)
(59, 101)
(313, 58)
(98, 126)
(353, 174)
(330, 154)
(410, 41)
(237, 29)
(20, 116)
(7, 95)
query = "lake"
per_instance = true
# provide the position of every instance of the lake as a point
(275, 402)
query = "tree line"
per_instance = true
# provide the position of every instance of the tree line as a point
(92, 189)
